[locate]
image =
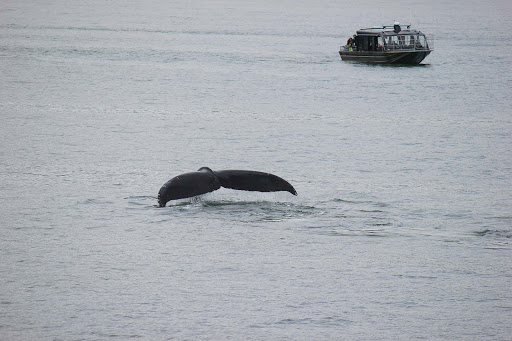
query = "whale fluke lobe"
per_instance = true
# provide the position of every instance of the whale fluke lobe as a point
(253, 181)
(205, 180)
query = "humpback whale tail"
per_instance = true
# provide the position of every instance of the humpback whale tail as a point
(205, 180)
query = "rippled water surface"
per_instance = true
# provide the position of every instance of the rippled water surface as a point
(402, 228)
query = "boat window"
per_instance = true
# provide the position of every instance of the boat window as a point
(421, 42)
(393, 40)
(410, 41)
(380, 43)
(363, 43)
(373, 44)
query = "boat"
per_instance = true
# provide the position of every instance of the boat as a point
(387, 45)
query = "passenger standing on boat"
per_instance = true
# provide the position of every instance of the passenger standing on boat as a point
(354, 41)
(418, 43)
(349, 44)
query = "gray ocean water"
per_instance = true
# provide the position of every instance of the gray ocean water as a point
(402, 227)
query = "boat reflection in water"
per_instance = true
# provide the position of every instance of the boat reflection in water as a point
(387, 45)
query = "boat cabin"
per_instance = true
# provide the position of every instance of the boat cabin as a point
(386, 39)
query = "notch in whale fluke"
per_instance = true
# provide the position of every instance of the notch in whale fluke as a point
(205, 180)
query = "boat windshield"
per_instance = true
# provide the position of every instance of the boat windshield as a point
(405, 42)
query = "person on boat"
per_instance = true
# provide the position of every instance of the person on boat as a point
(349, 44)
(418, 43)
(354, 41)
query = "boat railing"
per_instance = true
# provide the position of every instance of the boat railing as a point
(405, 48)
(392, 48)
(348, 48)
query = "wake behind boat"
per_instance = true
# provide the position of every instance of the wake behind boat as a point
(387, 45)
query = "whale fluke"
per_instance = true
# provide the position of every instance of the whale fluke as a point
(205, 180)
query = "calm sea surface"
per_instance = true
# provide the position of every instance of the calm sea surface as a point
(402, 228)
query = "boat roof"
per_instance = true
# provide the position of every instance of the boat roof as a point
(387, 31)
